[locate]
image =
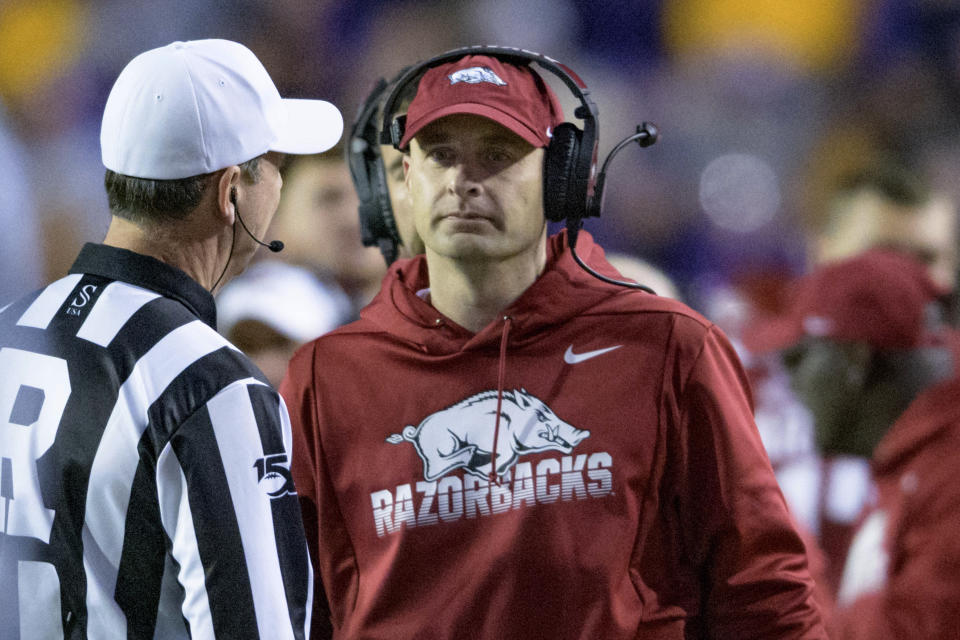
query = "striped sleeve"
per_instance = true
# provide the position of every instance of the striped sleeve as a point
(228, 505)
(114, 467)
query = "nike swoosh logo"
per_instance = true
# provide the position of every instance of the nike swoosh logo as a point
(575, 358)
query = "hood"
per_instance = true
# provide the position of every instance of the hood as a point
(562, 291)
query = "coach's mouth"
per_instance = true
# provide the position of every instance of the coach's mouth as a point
(468, 217)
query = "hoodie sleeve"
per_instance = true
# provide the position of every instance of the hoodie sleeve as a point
(733, 516)
(297, 390)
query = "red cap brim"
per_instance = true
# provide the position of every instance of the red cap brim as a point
(773, 333)
(537, 139)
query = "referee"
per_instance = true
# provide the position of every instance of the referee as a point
(144, 472)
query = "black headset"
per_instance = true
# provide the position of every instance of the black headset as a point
(377, 224)
(572, 188)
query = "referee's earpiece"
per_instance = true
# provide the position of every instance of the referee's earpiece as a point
(233, 196)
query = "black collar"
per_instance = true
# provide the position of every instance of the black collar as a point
(147, 272)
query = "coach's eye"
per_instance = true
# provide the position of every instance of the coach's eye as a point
(498, 156)
(441, 155)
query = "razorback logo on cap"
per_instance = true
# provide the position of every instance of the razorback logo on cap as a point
(476, 75)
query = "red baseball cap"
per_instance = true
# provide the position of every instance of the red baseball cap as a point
(514, 97)
(879, 297)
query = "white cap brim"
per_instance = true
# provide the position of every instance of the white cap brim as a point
(285, 297)
(310, 126)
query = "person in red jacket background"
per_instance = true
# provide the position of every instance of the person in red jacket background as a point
(506, 447)
(881, 383)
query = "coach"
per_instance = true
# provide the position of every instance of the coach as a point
(512, 449)
(144, 476)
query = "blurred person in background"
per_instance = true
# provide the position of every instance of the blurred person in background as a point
(882, 204)
(880, 385)
(274, 307)
(143, 459)
(317, 221)
(888, 205)
(864, 204)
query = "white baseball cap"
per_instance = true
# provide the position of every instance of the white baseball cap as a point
(194, 107)
(288, 298)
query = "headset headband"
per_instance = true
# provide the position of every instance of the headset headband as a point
(392, 129)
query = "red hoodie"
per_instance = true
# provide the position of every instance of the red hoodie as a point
(902, 574)
(634, 498)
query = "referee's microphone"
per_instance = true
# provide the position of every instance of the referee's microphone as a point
(274, 245)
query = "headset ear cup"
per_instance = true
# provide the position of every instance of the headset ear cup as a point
(377, 226)
(559, 173)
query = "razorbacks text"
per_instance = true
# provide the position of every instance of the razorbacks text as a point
(580, 477)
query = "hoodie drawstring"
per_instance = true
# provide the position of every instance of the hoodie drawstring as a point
(501, 374)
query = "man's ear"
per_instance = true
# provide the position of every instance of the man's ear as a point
(227, 187)
(406, 170)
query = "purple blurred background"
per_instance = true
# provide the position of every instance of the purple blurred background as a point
(760, 105)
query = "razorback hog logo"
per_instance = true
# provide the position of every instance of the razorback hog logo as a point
(462, 435)
(476, 75)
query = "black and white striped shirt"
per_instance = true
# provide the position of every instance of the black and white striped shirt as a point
(144, 472)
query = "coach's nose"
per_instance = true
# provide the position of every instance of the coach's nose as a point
(466, 178)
